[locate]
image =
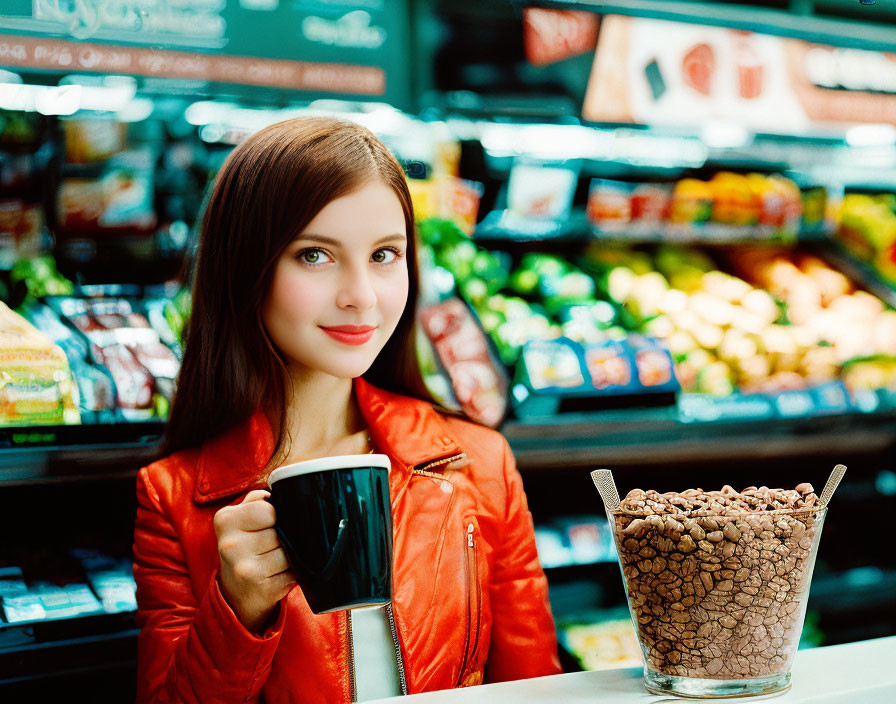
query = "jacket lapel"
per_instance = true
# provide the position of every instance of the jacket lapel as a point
(409, 430)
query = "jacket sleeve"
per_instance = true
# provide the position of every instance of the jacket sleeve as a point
(191, 650)
(523, 639)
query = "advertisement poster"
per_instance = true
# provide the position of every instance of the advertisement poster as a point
(658, 72)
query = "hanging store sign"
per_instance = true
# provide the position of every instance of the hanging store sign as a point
(349, 48)
(671, 73)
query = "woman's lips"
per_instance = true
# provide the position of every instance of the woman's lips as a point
(350, 334)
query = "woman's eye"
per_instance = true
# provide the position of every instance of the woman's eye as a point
(384, 256)
(312, 256)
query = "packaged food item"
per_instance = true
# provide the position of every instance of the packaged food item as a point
(610, 204)
(37, 384)
(21, 226)
(552, 364)
(25, 607)
(814, 202)
(479, 385)
(92, 140)
(82, 599)
(734, 201)
(692, 202)
(460, 201)
(650, 203)
(96, 390)
(608, 365)
(121, 199)
(542, 190)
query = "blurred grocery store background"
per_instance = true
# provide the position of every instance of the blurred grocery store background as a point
(659, 237)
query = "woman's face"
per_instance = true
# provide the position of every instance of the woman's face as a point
(340, 287)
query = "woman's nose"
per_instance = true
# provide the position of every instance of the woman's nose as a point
(356, 290)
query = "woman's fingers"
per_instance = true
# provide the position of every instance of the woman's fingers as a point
(255, 495)
(262, 541)
(273, 563)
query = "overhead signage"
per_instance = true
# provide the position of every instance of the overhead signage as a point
(345, 48)
(673, 73)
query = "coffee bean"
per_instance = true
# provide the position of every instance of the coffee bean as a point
(731, 532)
(727, 621)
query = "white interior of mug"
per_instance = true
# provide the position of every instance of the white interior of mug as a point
(322, 464)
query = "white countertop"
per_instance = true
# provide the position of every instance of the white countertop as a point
(852, 673)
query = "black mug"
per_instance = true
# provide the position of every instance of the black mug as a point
(334, 521)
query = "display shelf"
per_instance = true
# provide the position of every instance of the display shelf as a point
(501, 228)
(859, 271)
(505, 226)
(94, 652)
(709, 234)
(658, 436)
(38, 454)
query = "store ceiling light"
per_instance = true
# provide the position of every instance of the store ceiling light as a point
(136, 110)
(205, 112)
(47, 100)
(725, 135)
(871, 135)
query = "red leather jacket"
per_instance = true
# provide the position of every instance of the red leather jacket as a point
(464, 611)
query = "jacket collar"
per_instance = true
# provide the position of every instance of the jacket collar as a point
(411, 432)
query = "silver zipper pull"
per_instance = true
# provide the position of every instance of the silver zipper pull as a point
(470, 535)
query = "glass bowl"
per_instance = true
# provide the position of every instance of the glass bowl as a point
(718, 601)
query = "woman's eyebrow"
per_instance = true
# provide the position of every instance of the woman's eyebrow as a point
(323, 239)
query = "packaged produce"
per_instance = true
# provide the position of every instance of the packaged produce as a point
(868, 230)
(37, 386)
(552, 364)
(608, 365)
(479, 385)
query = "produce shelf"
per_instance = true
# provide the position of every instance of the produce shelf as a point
(859, 271)
(658, 436)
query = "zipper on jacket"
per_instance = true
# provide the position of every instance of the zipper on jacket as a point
(398, 658)
(424, 468)
(351, 656)
(471, 572)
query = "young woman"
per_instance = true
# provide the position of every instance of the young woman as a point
(300, 345)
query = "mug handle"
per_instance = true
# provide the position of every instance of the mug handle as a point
(338, 548)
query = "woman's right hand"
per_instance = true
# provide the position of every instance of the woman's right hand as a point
(254, 572)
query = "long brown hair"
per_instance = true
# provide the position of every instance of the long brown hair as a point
(268, 190)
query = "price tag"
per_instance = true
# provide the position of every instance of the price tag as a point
(794, 404)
